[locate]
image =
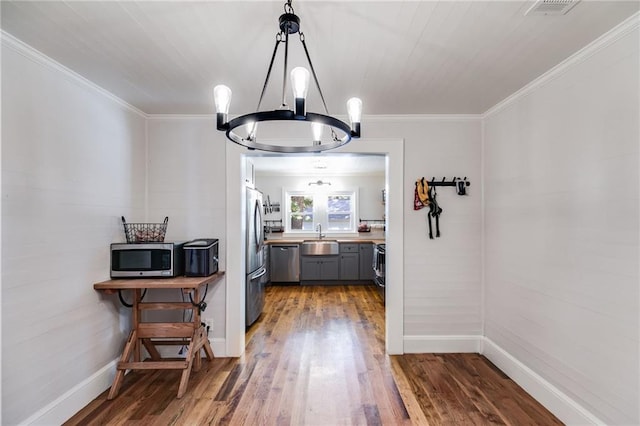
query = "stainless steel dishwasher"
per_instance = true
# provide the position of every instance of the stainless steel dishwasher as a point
(285, 263)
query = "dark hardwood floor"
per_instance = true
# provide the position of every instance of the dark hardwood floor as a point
(316, 357)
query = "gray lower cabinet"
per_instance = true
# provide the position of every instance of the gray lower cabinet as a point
(349, 266)
(319, 268)
(354, 263)
(366, 262)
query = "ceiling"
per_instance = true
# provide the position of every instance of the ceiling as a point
(400, 57)
(320, 165)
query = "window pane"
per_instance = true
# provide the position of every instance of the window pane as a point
(339, 213)
(339, 222)
(339, 203)
(301, 212)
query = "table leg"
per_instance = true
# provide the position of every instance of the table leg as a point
(198, 340)
(126, 354)
(136, 321)
(197, 333)
(207, 350)
(184, 379)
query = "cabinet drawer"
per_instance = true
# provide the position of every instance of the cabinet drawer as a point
(348, 248)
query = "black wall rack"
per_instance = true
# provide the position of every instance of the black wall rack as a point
(459, 183)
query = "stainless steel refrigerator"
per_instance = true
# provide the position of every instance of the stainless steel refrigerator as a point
(256, 268)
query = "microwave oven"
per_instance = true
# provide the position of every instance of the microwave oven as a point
(147, 260)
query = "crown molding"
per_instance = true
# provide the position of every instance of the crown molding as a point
(38, 57)
(372, 117)
(608, 38)
(423, 117)
(181, 116)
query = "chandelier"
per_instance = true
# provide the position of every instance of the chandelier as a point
(243, 129)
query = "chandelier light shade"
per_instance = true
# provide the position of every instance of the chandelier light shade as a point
(243, 129)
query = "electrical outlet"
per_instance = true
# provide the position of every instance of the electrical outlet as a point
(208, 323)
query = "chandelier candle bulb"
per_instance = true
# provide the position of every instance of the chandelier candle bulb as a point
(316, 130)
(300, 85)
(222, 99)
(354, 108)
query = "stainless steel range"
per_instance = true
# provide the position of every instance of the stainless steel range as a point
(379, 266)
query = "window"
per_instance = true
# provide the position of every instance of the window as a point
(334, 210)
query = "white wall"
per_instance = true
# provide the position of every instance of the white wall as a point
(442, 277)
(561, 165)
(186, 172)
(73, 162)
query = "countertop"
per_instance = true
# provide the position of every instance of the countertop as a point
(292, 240)
(157, 282)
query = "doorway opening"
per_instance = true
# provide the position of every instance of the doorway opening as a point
(391, 152)
(331, 201)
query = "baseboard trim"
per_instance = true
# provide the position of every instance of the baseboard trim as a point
(442, 344)
(72, 401)
(553, 399)
(76, 398)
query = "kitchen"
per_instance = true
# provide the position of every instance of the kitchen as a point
(528, 271)
(353, 225)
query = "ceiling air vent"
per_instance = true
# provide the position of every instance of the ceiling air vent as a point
(551, 7)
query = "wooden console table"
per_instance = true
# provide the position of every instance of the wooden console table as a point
(147, 333)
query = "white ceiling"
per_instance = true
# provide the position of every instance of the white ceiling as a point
(400, 57)
(327, 164)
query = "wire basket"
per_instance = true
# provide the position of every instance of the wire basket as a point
(145, 232)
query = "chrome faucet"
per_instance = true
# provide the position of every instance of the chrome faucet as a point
(319, 229)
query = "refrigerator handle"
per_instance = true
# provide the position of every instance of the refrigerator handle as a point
(258, 224)
(258, 274)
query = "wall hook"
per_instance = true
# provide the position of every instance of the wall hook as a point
(461, 185)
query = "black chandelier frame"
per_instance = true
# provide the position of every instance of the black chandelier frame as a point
(289, 23)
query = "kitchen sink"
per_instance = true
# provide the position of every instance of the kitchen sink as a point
(319, 248)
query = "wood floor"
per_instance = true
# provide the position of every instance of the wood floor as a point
(316, 357)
